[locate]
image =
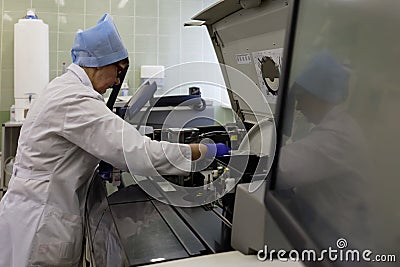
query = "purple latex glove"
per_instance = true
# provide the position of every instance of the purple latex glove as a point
(217, 150)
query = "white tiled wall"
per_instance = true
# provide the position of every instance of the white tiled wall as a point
(152, 31)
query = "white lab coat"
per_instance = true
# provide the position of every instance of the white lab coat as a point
(334, 147)
(325, 176)
(67, 132)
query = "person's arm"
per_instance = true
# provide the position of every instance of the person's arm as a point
(198, 151)
(89, 124)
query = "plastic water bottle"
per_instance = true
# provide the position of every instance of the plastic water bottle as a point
(124, 89)
(12, 113)
(30, 14)
(64, 68)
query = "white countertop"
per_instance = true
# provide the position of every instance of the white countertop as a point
(227, 259)
(13, 123)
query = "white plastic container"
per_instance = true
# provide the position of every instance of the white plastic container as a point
(31, 62)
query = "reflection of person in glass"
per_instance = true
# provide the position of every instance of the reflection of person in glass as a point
(324, 172)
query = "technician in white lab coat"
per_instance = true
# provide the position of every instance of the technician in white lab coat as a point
(325, 173)
(67, 132)
(335, 144)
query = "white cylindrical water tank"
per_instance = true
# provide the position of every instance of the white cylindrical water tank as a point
(31, 62)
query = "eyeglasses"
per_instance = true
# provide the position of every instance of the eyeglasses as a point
(120, 69)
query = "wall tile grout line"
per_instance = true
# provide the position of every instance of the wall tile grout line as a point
(167, 47)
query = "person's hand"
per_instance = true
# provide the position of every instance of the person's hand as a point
(217, 150)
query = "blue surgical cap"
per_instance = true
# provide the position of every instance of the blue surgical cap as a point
(98, 46)
(325, 78)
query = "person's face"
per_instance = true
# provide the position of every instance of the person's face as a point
(303, 103)
(107, 76)
(311, 107)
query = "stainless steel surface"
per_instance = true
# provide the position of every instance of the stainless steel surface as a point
(145, 236)
(223, 219)
(130, 228)
(9, 142)
(208, 227)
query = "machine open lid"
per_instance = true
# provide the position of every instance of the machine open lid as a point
(248, 40)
